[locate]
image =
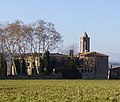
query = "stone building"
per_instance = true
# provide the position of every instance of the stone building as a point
(114, 73)
(93, 65)
(26, 64)
(32, 63)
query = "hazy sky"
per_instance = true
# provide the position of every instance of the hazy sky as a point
(100, 18)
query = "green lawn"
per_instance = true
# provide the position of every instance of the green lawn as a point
(59, 91)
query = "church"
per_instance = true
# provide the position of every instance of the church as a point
(93, 65)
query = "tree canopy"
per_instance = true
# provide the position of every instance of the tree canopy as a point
(17, 37)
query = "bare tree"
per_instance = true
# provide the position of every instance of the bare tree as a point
(2, 69)
(18, 38)
(14, 35)
(31, 42)
(47, 35)
(1, 39)
(67, 49)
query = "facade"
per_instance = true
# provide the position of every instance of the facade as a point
(27, 64)
(94, 65)
(32, 63)
(58, 60)
(114, 73)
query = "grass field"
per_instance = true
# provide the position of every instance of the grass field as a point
(60, 91)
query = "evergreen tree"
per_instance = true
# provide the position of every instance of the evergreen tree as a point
(47, 60)
(41, 67)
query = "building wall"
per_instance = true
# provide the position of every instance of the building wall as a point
(115, 73)
(101, 67)
(87, 73)
(29, 61)
(84, 44)
(98, 65)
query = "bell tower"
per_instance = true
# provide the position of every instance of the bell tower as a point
(84, 43)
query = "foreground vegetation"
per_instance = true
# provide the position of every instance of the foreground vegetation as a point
(59, 91)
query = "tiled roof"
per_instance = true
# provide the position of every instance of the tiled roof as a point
(93, 54)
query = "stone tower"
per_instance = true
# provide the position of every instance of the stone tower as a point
(84, 43)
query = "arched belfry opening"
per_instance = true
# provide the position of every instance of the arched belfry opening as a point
(84, 43)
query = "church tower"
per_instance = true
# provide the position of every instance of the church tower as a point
(84, 43)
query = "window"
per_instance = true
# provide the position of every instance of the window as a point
(82, 70)
(28, 64)
(33, 63)
(91, 70)
(88, 70)
(97, 63)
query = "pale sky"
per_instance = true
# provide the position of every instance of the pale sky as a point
(100, 18)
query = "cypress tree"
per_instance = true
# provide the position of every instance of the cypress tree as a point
(47, 57)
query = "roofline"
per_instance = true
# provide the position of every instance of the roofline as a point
(102, 55)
